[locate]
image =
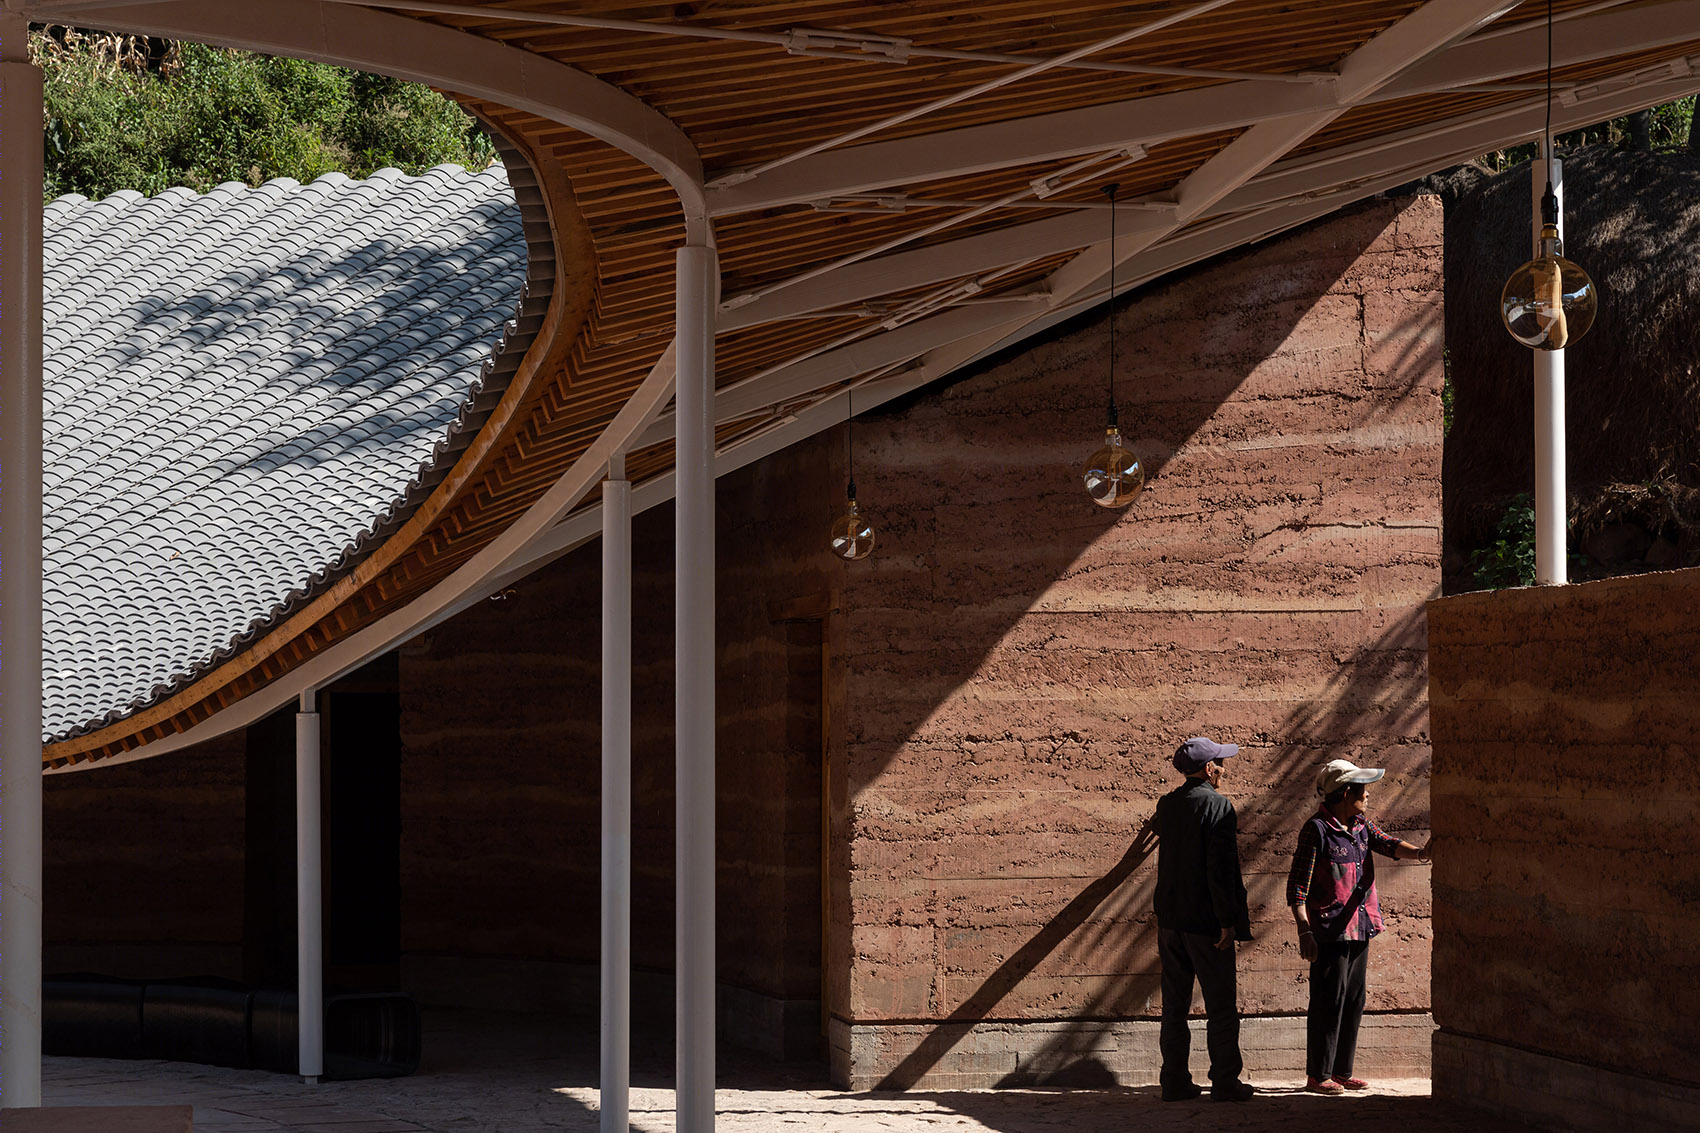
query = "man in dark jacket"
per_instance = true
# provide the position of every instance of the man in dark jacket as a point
(1201, 910)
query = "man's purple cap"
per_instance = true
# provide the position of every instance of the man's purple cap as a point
(1198, 751)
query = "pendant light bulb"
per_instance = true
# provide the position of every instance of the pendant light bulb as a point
(1549, 303)
(852, 534)
(1113, 474)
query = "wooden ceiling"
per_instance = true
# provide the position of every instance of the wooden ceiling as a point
(880, 203)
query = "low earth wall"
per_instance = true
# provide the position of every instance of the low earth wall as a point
(1566, 781)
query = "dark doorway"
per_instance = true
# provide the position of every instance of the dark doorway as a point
(360, 749)
(362, 808)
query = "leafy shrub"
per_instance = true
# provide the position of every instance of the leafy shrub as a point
(1510, 559)
(124, 112)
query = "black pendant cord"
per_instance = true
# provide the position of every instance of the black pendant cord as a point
(1110, 192)
(1548, 133)
(850, 441)
(1549, 199)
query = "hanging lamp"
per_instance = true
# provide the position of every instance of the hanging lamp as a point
(1113, 474)
(1549, 302)
(852, 535)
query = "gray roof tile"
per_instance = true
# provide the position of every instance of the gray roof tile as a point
(240, 387)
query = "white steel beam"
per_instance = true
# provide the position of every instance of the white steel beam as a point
(1035, 240)
(1422, 149)
(1552, 504)
(693, 682)
(1428, 29)
(864, 357)
(309, 896)
(1193, 11)
(20, 566)
(953, 259)
(1600, 35)
(1306, 198)
(614, 1082)
(969, 343)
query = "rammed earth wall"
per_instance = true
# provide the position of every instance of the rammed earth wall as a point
(1022, 663)
(1566, 780)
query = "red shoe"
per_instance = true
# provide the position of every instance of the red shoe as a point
(1351, 1083)
(1323, 1086)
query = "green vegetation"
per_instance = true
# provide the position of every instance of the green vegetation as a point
(1667, 127)
(1510, 559)
(125, 112)
(1448, 392)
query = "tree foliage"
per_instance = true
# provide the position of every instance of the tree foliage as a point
(1667, 127)
(125, 112)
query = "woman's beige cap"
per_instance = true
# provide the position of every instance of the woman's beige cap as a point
(1337, 773)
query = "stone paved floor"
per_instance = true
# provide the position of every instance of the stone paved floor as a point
(493, 1073)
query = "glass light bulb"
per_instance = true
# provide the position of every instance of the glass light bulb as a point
(1549, 302)
(1113, 474)
(852, 535)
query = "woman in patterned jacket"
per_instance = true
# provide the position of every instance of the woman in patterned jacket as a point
(1331, 889)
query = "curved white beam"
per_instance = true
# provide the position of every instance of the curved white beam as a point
(974, 149)
(413, 49)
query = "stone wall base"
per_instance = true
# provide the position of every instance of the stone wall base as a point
(1542, 1089)
(960, 1056)
(784, 1029)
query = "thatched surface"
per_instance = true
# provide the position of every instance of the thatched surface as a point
(1632, 220)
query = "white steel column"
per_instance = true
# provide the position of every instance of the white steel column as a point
(698, 269)
(1551, 504)
(616, 797)
(20, 567)
(309, 896)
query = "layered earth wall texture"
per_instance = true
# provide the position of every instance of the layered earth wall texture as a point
(1565, 785)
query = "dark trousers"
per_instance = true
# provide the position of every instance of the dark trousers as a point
(1188, 956)
(1336, 1006)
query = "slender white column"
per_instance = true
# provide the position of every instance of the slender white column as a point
(20, 568)
(698, 277)
(1551, 505)
(616, 797)
(309, 896)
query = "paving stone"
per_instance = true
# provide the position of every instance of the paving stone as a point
(512, 1073)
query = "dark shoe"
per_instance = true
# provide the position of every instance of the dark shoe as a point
(1183, 1092)
(1232, 1092)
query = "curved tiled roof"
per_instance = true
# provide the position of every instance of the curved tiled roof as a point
(243, 390)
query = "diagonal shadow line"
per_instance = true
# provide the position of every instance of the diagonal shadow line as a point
(1019, 965)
